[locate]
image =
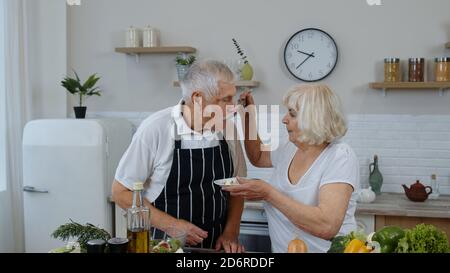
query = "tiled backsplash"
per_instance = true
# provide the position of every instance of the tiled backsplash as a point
(409, 148)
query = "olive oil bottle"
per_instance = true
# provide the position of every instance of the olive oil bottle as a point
(138, 220)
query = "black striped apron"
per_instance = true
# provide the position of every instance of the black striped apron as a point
(190, 193)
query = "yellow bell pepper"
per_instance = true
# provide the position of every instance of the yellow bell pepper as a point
(356, 246)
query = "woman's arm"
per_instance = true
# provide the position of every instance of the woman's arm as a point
(252, 142)
(323, 221)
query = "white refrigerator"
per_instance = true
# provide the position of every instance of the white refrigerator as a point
(68, 169)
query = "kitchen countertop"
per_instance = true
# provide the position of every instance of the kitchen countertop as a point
(395, 204)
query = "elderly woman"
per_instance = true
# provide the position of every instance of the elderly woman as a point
(310, 194)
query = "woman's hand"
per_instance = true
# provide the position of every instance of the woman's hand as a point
(246, 98)
(250, 189)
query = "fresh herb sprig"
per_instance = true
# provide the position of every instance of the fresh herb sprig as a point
(240, 51)
(83, 233)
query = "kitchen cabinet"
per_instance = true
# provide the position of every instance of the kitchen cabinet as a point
(396, 209)
(410, 222)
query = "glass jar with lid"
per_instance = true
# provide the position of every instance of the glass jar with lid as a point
(392, 70)
(442, 69)
(416, 69)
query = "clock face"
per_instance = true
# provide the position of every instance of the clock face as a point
(310, 55)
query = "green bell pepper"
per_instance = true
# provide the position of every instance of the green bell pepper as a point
(388, 238)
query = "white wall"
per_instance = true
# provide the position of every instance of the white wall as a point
(47, 55)
(364, 34)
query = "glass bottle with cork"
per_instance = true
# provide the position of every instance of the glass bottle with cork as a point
(138, 220)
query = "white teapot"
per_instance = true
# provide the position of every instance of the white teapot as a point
(366, 195)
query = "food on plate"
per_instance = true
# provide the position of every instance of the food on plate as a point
(231, 181)
(170, 245)
(297, 246)
(227, 182)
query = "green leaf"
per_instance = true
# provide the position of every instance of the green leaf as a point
(83, 233)
(74, 86)
(90, 82)
(185, 61)
(76, 75)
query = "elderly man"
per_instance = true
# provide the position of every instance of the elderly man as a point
(179, 152)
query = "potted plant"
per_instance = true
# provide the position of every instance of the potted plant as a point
(183, 63)
(75, 87)
(246, 71)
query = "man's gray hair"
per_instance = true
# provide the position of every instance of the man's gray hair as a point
(204, 76)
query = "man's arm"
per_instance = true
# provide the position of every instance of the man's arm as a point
(123, 197)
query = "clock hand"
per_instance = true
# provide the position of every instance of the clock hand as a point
(312, 55)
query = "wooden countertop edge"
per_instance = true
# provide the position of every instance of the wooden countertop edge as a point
(388, 209)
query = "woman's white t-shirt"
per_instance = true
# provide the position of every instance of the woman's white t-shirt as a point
(336, 164)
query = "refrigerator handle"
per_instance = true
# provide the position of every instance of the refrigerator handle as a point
(33, 189)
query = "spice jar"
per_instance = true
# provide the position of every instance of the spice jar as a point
(416, 69)
(96, 246)
(442, 69)
(118, 245)
(392, 70)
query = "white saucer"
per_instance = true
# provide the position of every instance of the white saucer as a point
(227, 182)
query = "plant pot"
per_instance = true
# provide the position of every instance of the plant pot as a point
(247, 72)
(80, 111)
(181, 71)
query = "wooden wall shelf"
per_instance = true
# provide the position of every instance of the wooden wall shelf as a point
(441, 86)
(155, 50)
(238, 83)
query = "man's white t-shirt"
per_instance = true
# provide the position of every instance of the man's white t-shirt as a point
(336, 164)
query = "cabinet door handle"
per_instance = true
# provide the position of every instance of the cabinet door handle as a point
(33, 189)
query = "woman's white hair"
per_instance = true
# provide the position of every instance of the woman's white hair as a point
(319, 113)
(204, 76)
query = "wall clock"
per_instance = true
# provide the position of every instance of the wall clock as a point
(311, 55)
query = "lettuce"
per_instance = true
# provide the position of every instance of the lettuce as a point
(423, 239)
